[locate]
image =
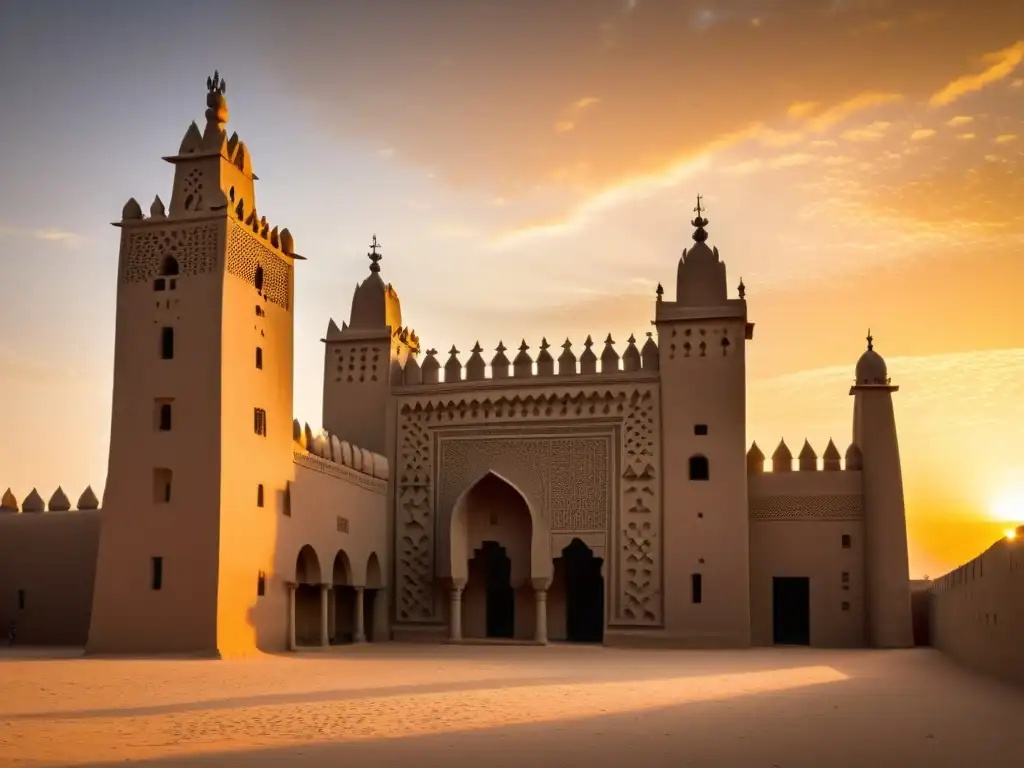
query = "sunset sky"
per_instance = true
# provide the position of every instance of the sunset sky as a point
(530, 167)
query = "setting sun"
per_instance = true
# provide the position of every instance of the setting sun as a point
(1009, 508)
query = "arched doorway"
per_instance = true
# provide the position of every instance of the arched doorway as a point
(493, 526)
(342, 614)
(370, 592)
(307, 597)
(584, 594)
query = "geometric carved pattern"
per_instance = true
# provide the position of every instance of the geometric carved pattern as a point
(826, 506)
(193, 247)
(640, 528)
(567, 477)
(357, 363)
(636, 579)
(246, 252)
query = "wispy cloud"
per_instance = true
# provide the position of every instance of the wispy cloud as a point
(966, 136)
(573, 112)
(61, 236)
(872, 132)
(959, 120)
(922, 133)
(1005, 138)
(1001, 64)
(845, 109)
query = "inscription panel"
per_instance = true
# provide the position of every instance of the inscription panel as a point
(564, 479)
(826, 506)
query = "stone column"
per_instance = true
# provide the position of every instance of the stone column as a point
(360, 633)
(332, 615)
(455, 613)
(291, 617)
(540, 597)
(325, 613)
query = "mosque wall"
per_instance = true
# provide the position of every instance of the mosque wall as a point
(976, 615)
(47, 566)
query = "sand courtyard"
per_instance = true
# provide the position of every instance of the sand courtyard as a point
(423, 705)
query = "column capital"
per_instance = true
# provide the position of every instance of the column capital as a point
(291, 585)
(542, 584)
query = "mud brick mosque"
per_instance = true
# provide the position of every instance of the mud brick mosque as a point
(600, 495)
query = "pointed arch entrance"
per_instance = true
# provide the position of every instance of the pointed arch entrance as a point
(308, 581)
(579, 582)
(492, 538)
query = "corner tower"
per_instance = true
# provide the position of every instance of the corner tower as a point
(200, 444)
(887, 569)
(361, 357)
(702, 338)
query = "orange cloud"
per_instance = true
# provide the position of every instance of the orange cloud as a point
(803, 109)
(1001, 64)
(966, 136)
(1005, 138)
(959, 120)
(872, 132)
(922, 133)
(852, 106)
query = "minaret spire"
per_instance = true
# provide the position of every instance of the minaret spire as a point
(216, 104)
(699, 235)
(871, 341)
(374, 256)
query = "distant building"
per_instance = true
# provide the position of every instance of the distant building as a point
(592, 496)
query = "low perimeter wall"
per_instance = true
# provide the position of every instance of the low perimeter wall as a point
(977, 611)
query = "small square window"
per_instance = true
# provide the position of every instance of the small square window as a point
(846, 606)
(847, 541)
(260, 421)
(159, 284)
(700, 429)
(846, 577)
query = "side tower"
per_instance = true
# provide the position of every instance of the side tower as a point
(887, 569)
(200, 444)
(702, 339)
(359, 359)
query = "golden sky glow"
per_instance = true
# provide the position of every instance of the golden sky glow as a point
(530, 168)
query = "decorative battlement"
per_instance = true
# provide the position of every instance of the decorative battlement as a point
(339, 452)
(59, 502)
(807, 461)
(524, 366)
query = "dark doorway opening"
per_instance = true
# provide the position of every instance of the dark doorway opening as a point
(501, 598)
(369, 612)
(791, 610)
(584, 594)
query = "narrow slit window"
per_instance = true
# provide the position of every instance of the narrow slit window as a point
(162, 485)
(164, 417)
(847, 541)
(259, 279)
(697, 588)
(259, 495)
(260, 421)
(21, 599)
(167, 343)
(259, 358)
(158, 573)
(261, 584)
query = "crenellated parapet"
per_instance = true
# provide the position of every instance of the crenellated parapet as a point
(526, 366)
(59, 502)
(782, 459)
(340, 452)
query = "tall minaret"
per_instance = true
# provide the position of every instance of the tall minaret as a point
(360, 359)
(889, 621)
(200, 440)
(702, 339)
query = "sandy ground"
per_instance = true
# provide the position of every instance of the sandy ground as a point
(389, 704)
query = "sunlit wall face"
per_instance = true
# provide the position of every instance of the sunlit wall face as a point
(530, 169)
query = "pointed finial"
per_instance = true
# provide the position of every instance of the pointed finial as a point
(524, 346)
(216, 104)
(453, 350)
(501, 347)
(215, 84)
(742, 289)
(631, 339)
(374, 256)
(659, 291)
(871, 341)
(477, 349)
(588, 343)
(544, 343)
(567, 345)
(700, 222)
(650, 334)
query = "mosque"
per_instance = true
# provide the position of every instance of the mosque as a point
(596, 496)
